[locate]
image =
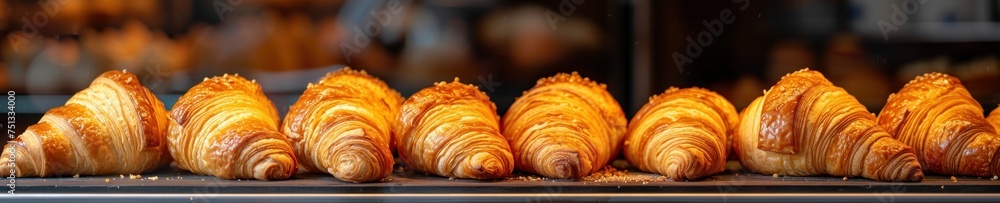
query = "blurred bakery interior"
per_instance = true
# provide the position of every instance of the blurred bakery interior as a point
(54, 48)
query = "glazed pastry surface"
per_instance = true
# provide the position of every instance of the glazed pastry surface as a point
(567, 126)
(114, 126)
(806, 126)
(452, 130)
(937, 116)
(225, 126)
(683, 134)
(343, 124)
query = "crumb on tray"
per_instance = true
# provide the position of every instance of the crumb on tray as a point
(613, 175)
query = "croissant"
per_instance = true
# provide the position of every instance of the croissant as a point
(115, 126)
(937, 116)
(804, 126)
(225, 126)
(451, 129)
(682, 134)
(343, 126)
(995, 118)
(564, 127)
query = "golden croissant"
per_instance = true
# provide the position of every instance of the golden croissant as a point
(226, 127)
(343, 125)
(564, 127)
(451, 129)
(115, 126)
(683, 134)
(995, 118)
(938, 117)
(804, 126)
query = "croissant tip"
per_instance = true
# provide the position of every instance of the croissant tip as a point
(275, 167)
(487, 165)
(5, 168)
(565, 165)
(917, 177)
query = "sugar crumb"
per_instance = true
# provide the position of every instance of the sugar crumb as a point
(613, 175)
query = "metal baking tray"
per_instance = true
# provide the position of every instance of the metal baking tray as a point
(733, 185)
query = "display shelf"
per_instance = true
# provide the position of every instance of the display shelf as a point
(174, 185)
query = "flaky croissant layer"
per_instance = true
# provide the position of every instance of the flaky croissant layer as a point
(567, 126)
(804, 126)
(226, 127)
(451, 129)
(683, 134)
(937, 116)
(115, 126)
(342, 126)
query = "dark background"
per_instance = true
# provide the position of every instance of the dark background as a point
(501, 46)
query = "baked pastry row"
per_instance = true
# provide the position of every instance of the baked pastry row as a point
(349, 124)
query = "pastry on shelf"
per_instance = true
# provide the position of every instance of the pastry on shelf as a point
(566, 126)
(451, 129)
(684, 134)
(806, 126)
(115, 126)
(343, 125)
(936, 116)
(225, 126)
